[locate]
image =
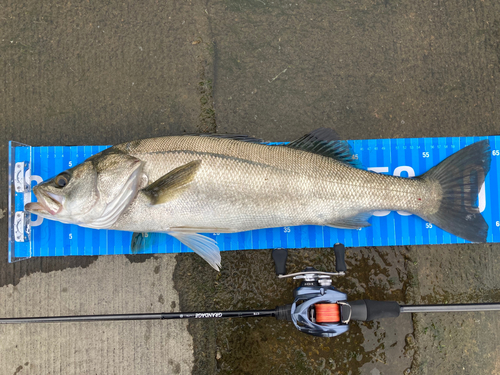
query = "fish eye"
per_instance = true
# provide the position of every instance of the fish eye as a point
(62, 180)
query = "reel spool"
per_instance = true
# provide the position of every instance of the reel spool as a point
(327, 313)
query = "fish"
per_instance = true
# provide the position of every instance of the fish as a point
(191, 184)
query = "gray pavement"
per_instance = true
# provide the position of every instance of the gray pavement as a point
(104, 72)
(110, 285)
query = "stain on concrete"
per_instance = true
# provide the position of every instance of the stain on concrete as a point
(456, 342)
(177, 368)
(207, 115)
(265, 345)
(18, 370)
(12, 274)
(140, 258)
(161, 299)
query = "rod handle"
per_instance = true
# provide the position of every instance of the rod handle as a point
(339, 250)
(284, 312)
(367, 310)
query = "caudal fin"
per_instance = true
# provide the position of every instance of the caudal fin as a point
(461, 175)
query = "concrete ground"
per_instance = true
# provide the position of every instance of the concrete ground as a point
(87, 72)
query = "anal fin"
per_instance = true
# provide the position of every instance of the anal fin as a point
(353, 222)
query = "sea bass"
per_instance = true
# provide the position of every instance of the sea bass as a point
(191, 184)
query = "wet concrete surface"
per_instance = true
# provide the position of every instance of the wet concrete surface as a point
(279, 348)
(104, 72)
(268, 346)
(456, 343)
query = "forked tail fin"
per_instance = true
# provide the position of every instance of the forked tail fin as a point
(461, 175)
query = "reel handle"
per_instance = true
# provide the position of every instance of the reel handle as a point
(279, 257)
(339, 250)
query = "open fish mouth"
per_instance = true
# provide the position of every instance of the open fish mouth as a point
(48, 204)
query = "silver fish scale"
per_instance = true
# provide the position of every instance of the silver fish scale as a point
(241, 186)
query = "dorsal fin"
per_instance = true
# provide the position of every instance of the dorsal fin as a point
(237, 137)
(326, 142)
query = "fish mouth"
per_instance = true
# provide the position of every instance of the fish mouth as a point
(48, 203)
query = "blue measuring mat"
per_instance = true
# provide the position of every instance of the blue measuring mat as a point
(406, 157)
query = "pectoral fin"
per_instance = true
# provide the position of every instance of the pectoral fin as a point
(172, 184)
(203, 246)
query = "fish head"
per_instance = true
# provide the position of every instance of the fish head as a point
(92, 193)
(71, 193)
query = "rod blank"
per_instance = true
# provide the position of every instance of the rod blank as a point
(450, 308)
(157, 316)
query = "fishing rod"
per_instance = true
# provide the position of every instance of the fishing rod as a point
(318, 308)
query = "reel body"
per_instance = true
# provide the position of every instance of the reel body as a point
(316, 311)
(317, 307)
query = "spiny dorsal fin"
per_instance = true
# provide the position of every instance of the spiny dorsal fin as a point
(326, 142)
(172, 184)
(237, 137)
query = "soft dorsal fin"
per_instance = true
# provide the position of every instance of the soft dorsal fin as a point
(326, 142)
